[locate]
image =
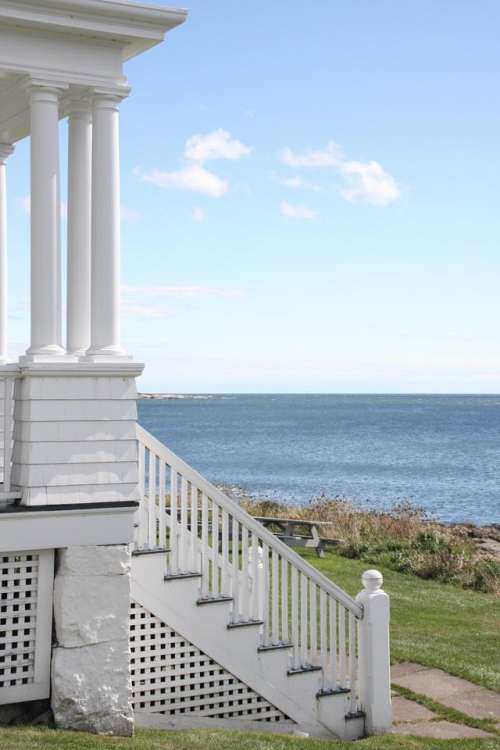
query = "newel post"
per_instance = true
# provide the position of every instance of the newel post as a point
(374, 654)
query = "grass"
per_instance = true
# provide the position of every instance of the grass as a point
(403, 539)
(432, 623)
(30, 738)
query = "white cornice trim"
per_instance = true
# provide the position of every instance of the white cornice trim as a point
(136, 25)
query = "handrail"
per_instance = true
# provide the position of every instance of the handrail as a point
(150, 442)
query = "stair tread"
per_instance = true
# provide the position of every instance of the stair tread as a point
(155, 551)
(213, 599)
(180, 576)
(276, 646)
(304, 670)
(244, 623)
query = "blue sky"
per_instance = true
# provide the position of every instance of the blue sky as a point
(310, 200)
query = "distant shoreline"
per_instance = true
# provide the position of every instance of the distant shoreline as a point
(174, 396)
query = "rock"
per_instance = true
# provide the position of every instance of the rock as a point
(109, 560)
(90, 609)
(91, 688)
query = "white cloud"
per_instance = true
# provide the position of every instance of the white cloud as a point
(369, 182)
(297, 212)
(330, 157)
(181, 292)
(191, 178)
(365, 181)
(198, 214)
(219, 144)
(296, 183)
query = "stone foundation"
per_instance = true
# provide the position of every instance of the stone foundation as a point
(91, 688)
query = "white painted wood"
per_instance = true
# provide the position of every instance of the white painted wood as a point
(275, 598)
(285, 629)
(26, 582)
(45, 225)
(246, 521)
(174, 558)
(6, 149)
(52, 529)
(105, 267)
(374, 654)
(79, 226)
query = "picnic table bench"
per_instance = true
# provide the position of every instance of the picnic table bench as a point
(298, 532)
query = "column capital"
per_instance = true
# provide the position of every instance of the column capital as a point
(42, 87)
(103, 98)
(79, 108)
(6, 149)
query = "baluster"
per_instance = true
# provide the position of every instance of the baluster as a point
(161, 506)
(285, 633)
(194, 528)
(215, 548)
(254, 594)
(275, 634)
(295, 616)
(205, 562)
(264, 594)
(313, 620)
(184, 521)
(152, 501)
(352, 662)
(236, 587)
(323, 641)
(141, 514)
(333, 643)
(174, 541)
(342, 648)
(303, 619)
(244, 573)
(8, 384)
(225, 553)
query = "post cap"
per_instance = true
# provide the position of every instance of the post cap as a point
(372, 580)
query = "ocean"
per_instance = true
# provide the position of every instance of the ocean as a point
(440, 452)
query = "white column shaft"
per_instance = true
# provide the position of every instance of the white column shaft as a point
(105, 273)
(45, 224)
(79, 228)
(5, 151)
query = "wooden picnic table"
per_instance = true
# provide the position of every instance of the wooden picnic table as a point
(288, 530)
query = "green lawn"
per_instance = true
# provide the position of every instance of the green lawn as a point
(46, 739)
(435, 624)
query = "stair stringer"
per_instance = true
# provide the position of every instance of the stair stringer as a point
(235, 650)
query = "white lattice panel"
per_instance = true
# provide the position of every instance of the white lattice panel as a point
(25, 624)
(173, 677)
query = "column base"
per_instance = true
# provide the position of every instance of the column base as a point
(48, 357)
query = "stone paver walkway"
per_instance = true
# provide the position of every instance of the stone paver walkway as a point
(453, 692)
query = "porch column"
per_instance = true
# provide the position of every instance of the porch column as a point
(79, 227)
(105, 272)
(6, 150)
(45, 225)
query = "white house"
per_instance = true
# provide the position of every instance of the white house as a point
(170, 605)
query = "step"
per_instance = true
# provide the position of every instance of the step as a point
(244, 624)
(275, 646)
(325, 693)
(181, 576)
(213, 599)
(306, 669)
(155, 551)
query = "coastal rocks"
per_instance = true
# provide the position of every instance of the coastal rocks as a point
(90, 664)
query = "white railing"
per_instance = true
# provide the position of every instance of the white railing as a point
(207, 532)
(7, 383)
